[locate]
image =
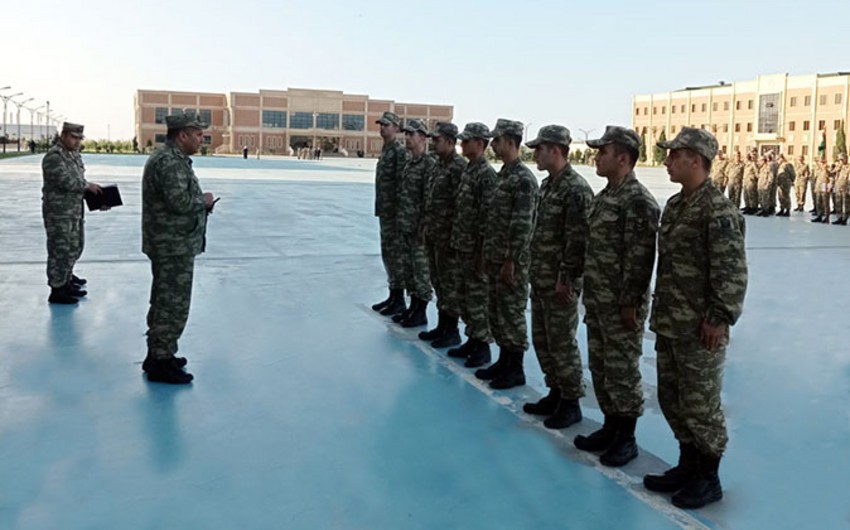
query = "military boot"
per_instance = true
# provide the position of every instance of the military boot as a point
(166, 371)
(384, 303)
(676, 477)
(437, 332)
(495, 369)
(75, 290)
(624, 448)
(703, 487)
(479, 355)
(399, 317)
(463, 351)
(567, 413)
(77, 280)
(396, 305)
(451, 335)
(546, 405)
(61, 295)
(818, 219)
(513, 374)
(180, 362)
(417, 317)
(839, 221)
(600, 439)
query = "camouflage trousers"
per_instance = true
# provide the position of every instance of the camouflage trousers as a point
(735, 189)
(553, 332)
(65, 242)
(613, 353)
(472, 289)
(391, 252)
(171, 296)
(690, 379)
(767, 198)
(784, 195)
(821, 202)
(814, 189)
(800, 192)
(445, 276)
(507, 303)
(720, 183)
(417, 277)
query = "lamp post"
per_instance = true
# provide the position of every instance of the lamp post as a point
(19, 105)
(5, 103)
(32, 126)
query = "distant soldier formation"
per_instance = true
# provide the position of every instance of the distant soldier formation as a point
(486, 242)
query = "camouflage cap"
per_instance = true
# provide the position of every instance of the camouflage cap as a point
(388, 118)
(552, 134)
(475, 130)
(614, 134)
(413, 126)
(444, 129)
(184, 120)
(697, 140)
(74, 129)
(504, 126)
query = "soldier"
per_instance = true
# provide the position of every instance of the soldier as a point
(387, 179)
(735, 176)
(62, 211)
(475, 192)
(766, 186)
(803, 175)
(842, 188)
(412, 194)
(174, 225)
(718, 172)
(437, 230)
(751, 179)
(618, 270)
(506, 257)
(823, 184)
(699, 293)
(557, 249)
(784, 179)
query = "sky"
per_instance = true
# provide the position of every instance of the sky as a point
(540, 62)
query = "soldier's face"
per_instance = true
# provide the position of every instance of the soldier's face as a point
(444, 146)
(388, 131)
(71, 142)
(414, 140)
(681, 164)
(191, 140)
(543, 157)
(607, 161)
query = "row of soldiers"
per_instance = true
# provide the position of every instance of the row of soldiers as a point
(486, 241)
(760, 178)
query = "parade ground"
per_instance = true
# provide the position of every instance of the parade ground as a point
(310, 411)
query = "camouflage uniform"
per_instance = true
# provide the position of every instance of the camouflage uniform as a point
(412, 192)
(477, 185)
(718, 173)
(735, 177)
(174, 222)
(387, 177)
(620, 258)
(784, 179)
(766, 187)
(62, 211)
(557, 255)
(751, 181)
(702, 276)
(803, 175)
(438, 215)
(842, 189)
(823, 183)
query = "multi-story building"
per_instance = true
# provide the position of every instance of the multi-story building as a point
(795, 115)
(274, 121)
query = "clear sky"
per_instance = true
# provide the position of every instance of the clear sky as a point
(573, 63)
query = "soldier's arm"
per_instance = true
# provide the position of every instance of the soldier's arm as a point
(58, 175)
(486, 182)
(174, 184)
(641, 230)
(522, 218)
(576, 232)
(727, 267)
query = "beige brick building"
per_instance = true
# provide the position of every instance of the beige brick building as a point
(788, 114)
(274, 120)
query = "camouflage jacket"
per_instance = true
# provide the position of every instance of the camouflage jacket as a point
(412, 193)
(751, 173)
(767, 177)
(621, 248)
(702, 264)
(64, 183)
(387, 178)
(559, 239)
(718, 169)
(511, 216)
(785, 175)
(735, 171)
(174, 213)
(477, 185)
(440, 202)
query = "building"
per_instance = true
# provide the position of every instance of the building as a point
(276, 120)
(794, 115)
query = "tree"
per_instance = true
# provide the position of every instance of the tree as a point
(659, 154)
(840, 142)
(642, 149)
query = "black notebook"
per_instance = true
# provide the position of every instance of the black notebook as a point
(110, 197)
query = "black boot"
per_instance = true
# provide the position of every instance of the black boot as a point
(402, 315)
(75, 290)
(396, 305)
(166, 371)
(818, 219)
(676, 477)
(77, 280)
(546, 405)
(61, 295)
(180, 362)
(624, 447)
(838, 221)
(598, 440)
(567, 413)
(384, 303)
(479, 355)
(513, 374)
(463, 351)
(495, 369)
(418, 317)
(450, 336)
(704, 487)
(437, 332)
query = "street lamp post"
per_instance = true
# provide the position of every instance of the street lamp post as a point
(19, 105)
(32, 126)
(47, 124)
(5, 103)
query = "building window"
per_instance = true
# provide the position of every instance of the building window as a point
(750, 104)
(749, 126)
(637, 113)
(673, 129)
(768, 113)
(161, 113)
(737, 127)
(804, 150)
(790, 150)
(723, 149)
(301, 120)
(207, 138)
(737, 105)
(655, 110)
(793, 102)
(714, 106)
(663, 110)
(327, 121)
(673, 109)
(822, 99)
(821, 125)
(702, 107)
(159, 138)
(838, 99)
(683, 109)
(693, 107)
(806, 125)
(836, 124)
(791, 125)
(274, 119)
(353, 122)
(807, 101)
(205, 115)
(725, 105)
(645, 111)
(726, 127)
